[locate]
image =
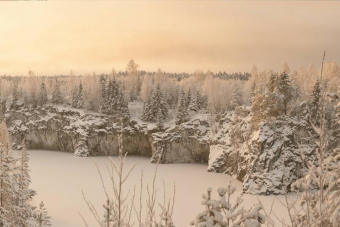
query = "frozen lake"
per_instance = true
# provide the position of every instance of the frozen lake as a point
(59, 178)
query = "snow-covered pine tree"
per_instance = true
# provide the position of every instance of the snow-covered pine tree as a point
(42, 96)
(15, 94)
(8, 182)
(221, 213)
(252, 90)
(82, 149)
(237, 97)
(56, 94)
(189, 97)
(108, 98)
(75, 97)
(256, 114)
(314, 103)
(198, 100)
(41, 216)
(160, 125)
(155, 104)
(273, 82)
(193, 104)
(80, 95)
(285, 89)
(102, 82)
(25, 194)
(146, 116)
(158, 103)
(122, 105)
(182, 111)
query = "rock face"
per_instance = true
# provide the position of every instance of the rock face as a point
(267, 160)
(65, 129)
(188, 142)
(62, 129)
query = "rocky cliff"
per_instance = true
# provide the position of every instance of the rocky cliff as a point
(266, 160)
(91, 134)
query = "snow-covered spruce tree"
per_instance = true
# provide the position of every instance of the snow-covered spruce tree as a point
(273, 82)
(160, 125)
(82, 149)
(42, 96)
(75, 97)
(221, 213)
(198, 100)
(102, 82)
(118, 207)
(56, 93)
(25, 194)
(252, 91)
(314, 103)
(237, 97)
(41, 216)
(15, 94)
(80, 100)
(193, 106)
(182, 111)
(158, 104)
(256, 114)
(155, 104)
(285, 89)
(8, 187)
(146, 116)
(122, 105)
(189, 97)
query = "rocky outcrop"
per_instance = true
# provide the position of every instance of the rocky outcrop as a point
(90, 134)
(267, 160)
(56, 128)
(188, 142)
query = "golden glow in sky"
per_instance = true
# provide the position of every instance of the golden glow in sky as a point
(55, 37)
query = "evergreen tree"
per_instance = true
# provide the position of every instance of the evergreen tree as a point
(8, 181)
(252, 91)
(80, 96)
(15, 95)
(160, 125)
(102, 82)
(75, 97)
(237, 97)
(146, 116)
(189, 97)
(42, 96)
(314, 103)
(154, 105)
(193, 104)
(198, 100)
(256, 114)
(273, 82)
(285, 88)
(182, 113)
(56, 94)
(25, 194)
(41, 216)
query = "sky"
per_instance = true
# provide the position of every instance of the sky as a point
(55, 37)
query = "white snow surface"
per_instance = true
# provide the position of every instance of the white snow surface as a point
(59, 178)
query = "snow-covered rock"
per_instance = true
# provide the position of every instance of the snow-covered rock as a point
(188, 142)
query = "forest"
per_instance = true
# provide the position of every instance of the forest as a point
(276, 132)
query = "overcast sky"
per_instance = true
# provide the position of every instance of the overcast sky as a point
(55, 37)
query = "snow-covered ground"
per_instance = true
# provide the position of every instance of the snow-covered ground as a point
(59, 178)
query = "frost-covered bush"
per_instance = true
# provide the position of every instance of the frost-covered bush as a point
(82, 149)
(221, 213)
